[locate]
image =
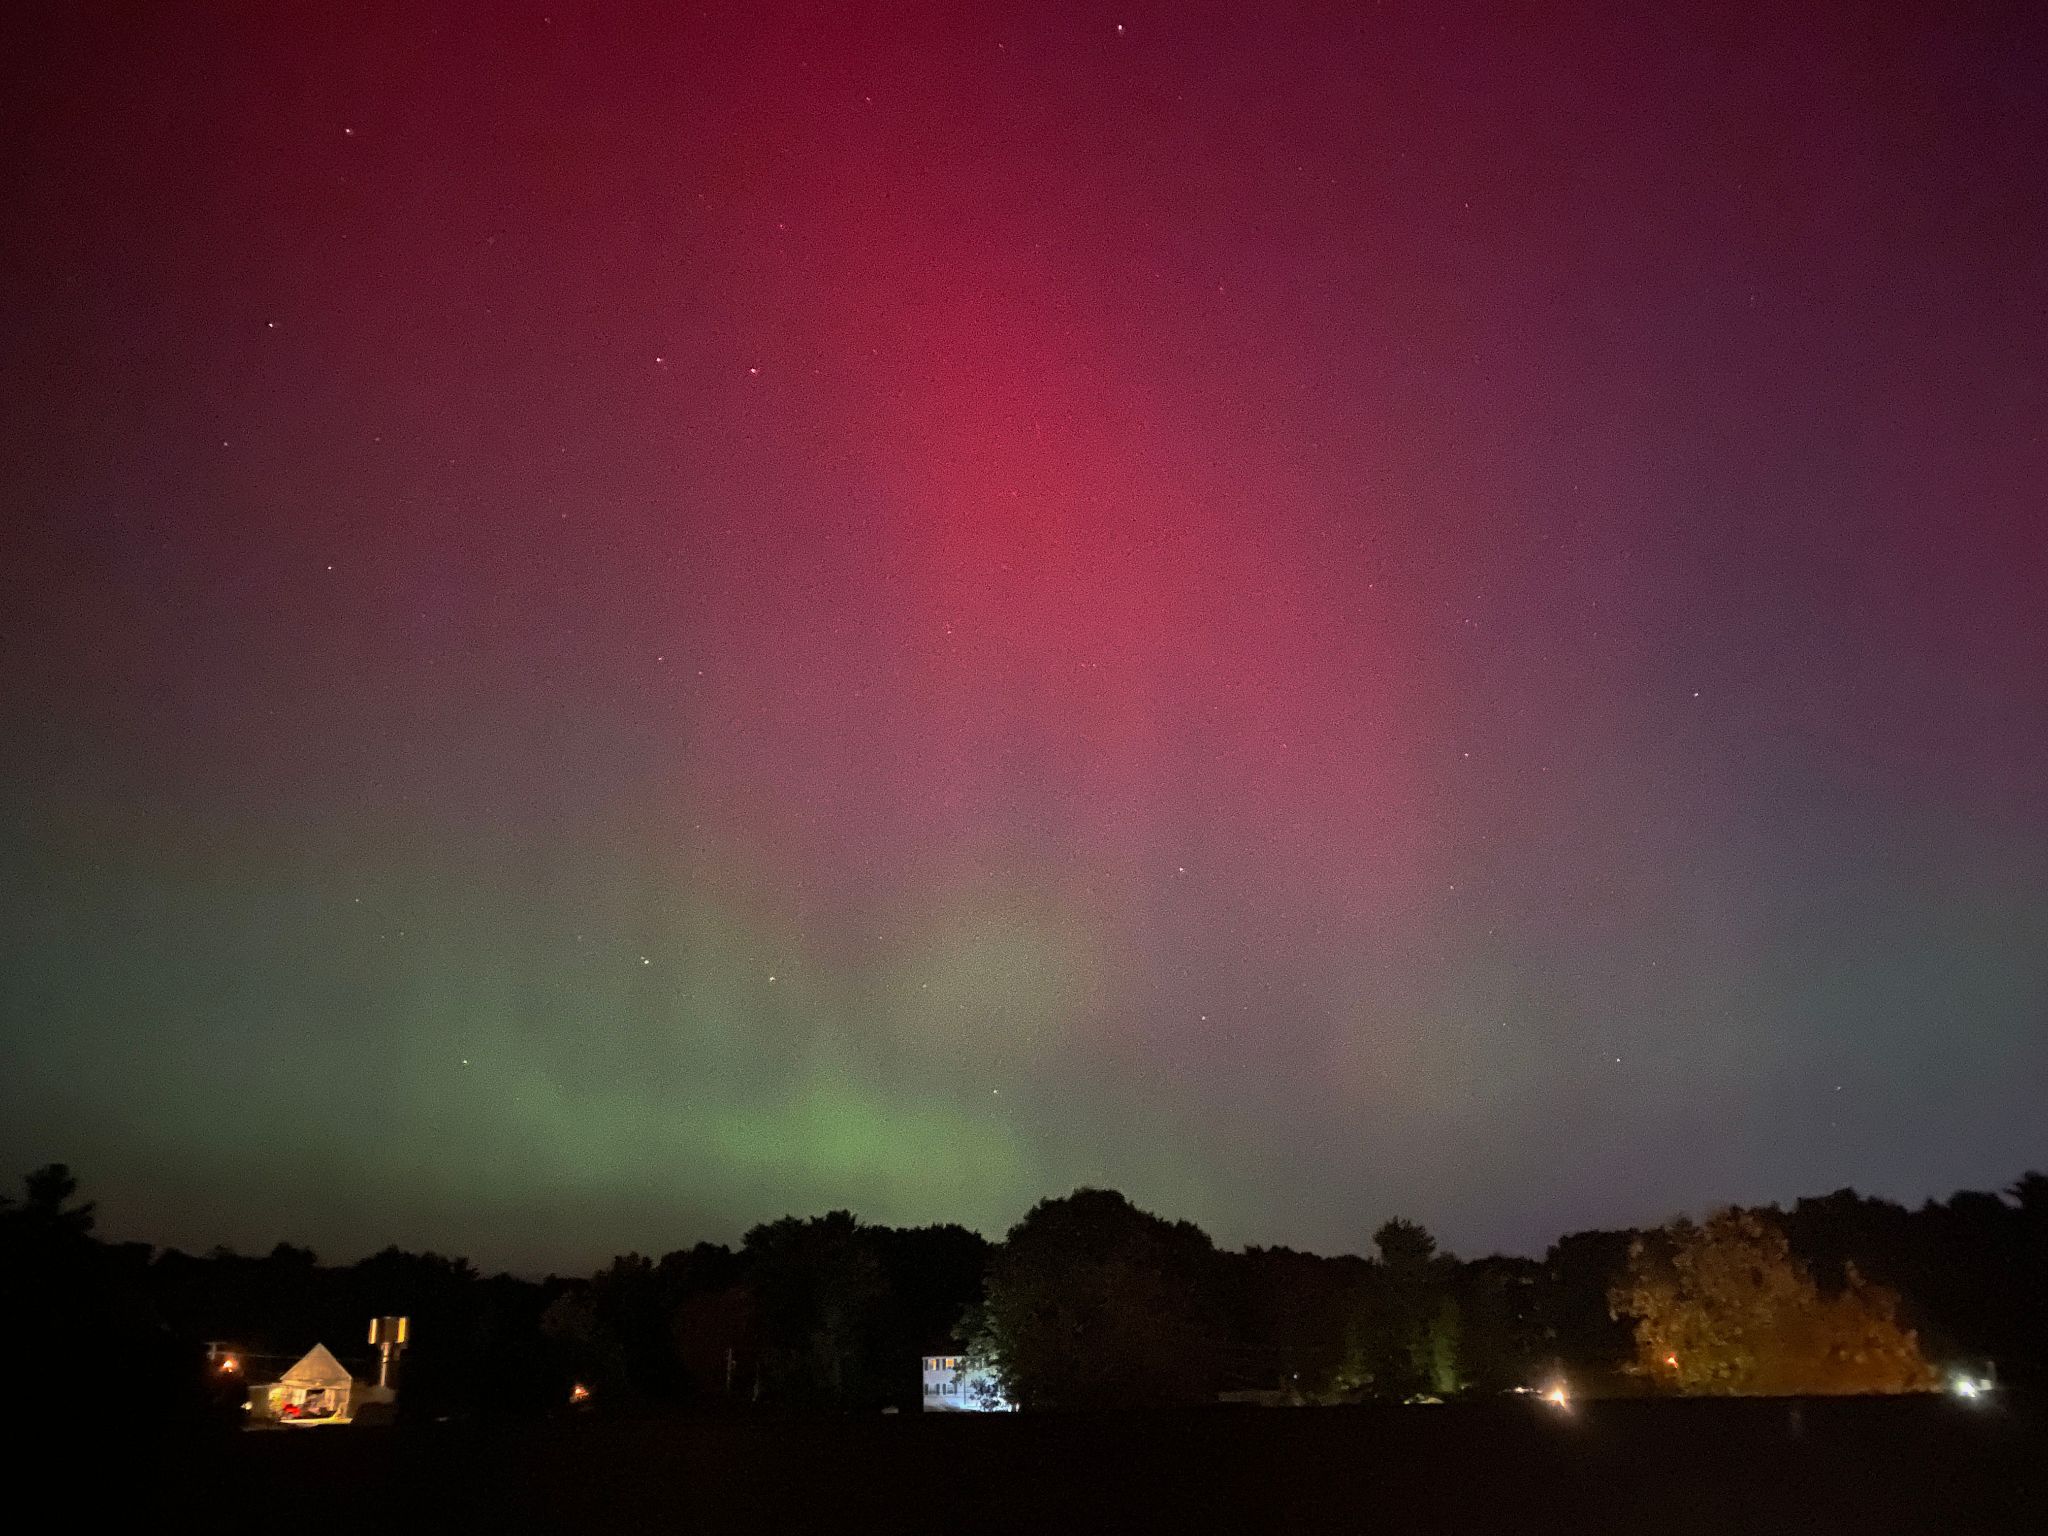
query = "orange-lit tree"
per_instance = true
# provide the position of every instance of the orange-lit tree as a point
(1724, 1307)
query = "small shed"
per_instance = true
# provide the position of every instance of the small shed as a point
(318, 1387)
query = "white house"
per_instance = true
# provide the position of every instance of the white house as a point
(950, 1387)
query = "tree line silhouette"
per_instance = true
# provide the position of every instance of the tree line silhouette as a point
(1087, 1302)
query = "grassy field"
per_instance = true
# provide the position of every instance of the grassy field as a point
(1864, 1466)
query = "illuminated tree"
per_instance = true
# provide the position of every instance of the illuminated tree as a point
(1725, 1308)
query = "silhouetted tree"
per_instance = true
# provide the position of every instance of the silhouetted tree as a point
(932, 1277)
(48, 1192)
(1580, 1270)
(85, 1319)
(1504, 1343)
(1289, 1314)
(716, 1341)
(817, 1285)
(1092, 1302)
(2030, 1193)
(1406, 1328)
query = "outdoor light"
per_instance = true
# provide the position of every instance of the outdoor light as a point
(1969, 1388)
(1557, 1398)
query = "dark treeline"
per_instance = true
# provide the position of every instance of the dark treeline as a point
(1087, 1302)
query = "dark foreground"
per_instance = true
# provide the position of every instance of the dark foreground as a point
(1646, 1468)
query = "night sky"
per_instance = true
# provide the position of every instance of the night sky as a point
(623, 621)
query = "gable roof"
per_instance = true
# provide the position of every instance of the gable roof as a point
(317, 1369)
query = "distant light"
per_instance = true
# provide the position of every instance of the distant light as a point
(1968, 1387)
(579, 1393)
(1557, 1397)
(230, 1363)
(1672, 1361)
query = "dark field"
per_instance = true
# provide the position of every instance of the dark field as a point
(1816, 1466)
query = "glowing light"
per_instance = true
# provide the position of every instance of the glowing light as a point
(229, 1364)
(1557, 1397)
(1672, 1361)
(579, 1393)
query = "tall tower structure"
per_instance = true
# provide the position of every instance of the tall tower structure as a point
(390, 1335)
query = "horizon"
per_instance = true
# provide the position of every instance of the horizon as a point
(590, 1264)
